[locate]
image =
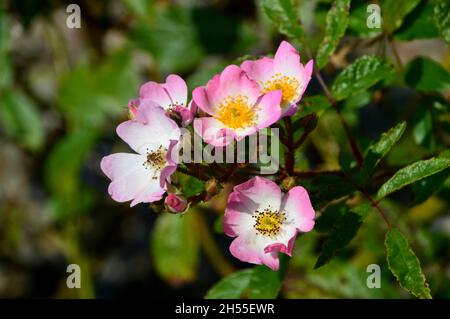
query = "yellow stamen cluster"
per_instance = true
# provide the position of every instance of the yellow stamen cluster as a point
(289, 87)
(156, 159)
(236, 112)
(268, 223)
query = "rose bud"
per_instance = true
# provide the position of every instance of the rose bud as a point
(175, 203)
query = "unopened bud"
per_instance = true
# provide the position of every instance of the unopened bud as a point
(175, 203)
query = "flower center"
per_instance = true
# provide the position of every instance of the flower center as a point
(268, 223)
(236, 112)
(289, 87)
(156, 159)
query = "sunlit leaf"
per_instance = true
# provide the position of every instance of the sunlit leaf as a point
(442, 18)
(404, 264)
(232, 286)
(336, 24)
(418, 24)
(175, 247)
(380, 148)
(360, 75)
(394, 12)
(264, 283)
(283, 14)
(411, 174)
(342, 233)
(427, 75)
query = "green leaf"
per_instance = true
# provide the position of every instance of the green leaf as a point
(442, 18)
(5, 44)
(336, 24)
(63, 174)
(357, 22)
(89, 95)
(357, 100)
(423, 126)
(426, 75)
(175, 247)
(284, 15)
(360, 75)
(62, 170)
(170, 22)
(140, 8)
(346, 227)
(411, 174)
(232, 286)
(21, 120)
(379, 149)
(313, 104)
(426, 187)
(394, 12)
(404, 264)
(418, 24)
(191, 186)
(264, 283)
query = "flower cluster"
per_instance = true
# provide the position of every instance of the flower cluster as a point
(232, 105)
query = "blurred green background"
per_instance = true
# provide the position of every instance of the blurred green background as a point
(63, 91)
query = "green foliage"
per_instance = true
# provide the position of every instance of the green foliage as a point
(175, 247)
(191, 186)
(442, 18)
(21, 120)
(260, 282)
(343, 231)
(283, 14)
(169, 23)
(314, 104)
(360, 75)
(89, 95)
(5, 44)
(265, 283)
(379, 149)
(418, 24)
(62, 171)
(337, 20)
(62, 94)
(357, 22)
(423, 126)
(413, 173)
(394, 12)
(426, 187)
(404, 264)
(231, 287)
(424, 74)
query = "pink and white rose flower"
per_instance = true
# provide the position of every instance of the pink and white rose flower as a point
(171, 96)
(143, 177)
(264, 221)
(284, 72)
(235, 106)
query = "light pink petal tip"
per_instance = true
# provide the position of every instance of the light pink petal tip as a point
(298, 203)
